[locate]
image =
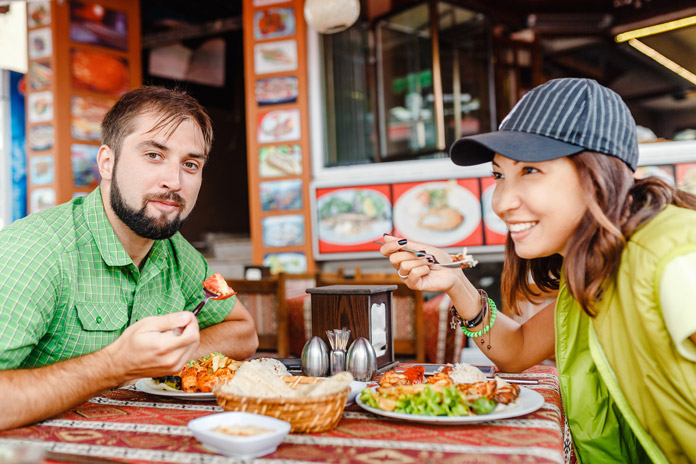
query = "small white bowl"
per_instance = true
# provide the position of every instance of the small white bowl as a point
(355, 388)
(239, 447)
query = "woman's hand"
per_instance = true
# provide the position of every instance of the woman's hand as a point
(416, 271)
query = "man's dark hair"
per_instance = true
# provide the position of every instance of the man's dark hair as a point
(171, 105)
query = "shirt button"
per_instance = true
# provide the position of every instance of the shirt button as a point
(98, 319)
(159, 310)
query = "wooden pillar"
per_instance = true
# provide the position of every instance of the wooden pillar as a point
(277, 115)
(82, 57)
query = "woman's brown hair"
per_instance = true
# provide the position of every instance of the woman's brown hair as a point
(618, 206)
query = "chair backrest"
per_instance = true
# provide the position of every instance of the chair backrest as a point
(407, 314)
(266, 301)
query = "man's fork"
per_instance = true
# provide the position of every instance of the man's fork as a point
(197, 309)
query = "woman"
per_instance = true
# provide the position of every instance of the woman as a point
(622, 255)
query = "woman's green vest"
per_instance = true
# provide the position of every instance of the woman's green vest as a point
(628, 394)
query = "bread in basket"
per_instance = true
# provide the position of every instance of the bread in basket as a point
(305, 414)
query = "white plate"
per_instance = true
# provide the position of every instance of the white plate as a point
(239, 447)
(408, 210)
(148, 386)
(528, 401)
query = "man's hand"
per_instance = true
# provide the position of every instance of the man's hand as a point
(151, 348)
(148, 348)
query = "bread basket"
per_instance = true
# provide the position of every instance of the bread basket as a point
(305, 414)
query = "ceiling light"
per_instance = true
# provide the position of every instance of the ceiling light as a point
(663, 60)
(656, 29)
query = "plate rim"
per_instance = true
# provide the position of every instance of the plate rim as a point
(534, 397)
(141, 386)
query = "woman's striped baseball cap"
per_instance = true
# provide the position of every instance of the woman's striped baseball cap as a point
(556, 119)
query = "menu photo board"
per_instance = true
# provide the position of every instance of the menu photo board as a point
(494, 228)
(686, 176)
(349, 219)
(443, 213)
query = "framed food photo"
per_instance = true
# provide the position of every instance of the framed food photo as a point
(95, 24)
(444, 213)
(686, 176)
(86, 115)
(280, 160)
(41, 170)
(283, 231)
(274, 23)
(278, 126)
(349, 219)
(84, 165)
(41, 137)
(40, 75)
(288, 263)
(98, 72)
(273, 57)
(40, 106)
(281, 195)
(494, 228)
(38, 13)
(275, 90)
(40, 43)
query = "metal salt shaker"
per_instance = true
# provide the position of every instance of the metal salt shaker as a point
(315, 358)
(361, 360)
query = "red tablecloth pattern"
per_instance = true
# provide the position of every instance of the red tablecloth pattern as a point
(131, 426)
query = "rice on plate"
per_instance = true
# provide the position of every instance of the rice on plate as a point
(466, 373)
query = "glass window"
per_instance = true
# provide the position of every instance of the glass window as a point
(393, 93)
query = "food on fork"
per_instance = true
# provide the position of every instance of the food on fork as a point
(466, 259)
(218, 285)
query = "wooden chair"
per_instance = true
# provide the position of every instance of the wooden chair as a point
(266, 301)
(403, 296)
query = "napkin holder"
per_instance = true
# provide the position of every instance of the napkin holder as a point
(364, 309)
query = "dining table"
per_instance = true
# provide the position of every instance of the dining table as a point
(131, 426)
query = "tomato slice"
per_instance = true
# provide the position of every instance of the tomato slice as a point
(217, 285)
(415, 374)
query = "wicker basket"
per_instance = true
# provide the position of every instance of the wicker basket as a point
(305, 415)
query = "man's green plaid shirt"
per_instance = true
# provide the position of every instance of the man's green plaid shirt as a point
(68, 287)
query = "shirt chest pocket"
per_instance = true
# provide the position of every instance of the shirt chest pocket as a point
(102, 317)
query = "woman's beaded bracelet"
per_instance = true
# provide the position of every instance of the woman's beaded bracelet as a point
(476, 320)
(494, 313)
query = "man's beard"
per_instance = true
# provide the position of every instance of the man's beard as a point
(139, 222)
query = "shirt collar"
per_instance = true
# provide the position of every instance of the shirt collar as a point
(105, 237)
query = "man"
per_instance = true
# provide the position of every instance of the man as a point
(93, 292)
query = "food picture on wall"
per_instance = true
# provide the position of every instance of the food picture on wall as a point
(281, 195)
(40, 106)
(99, 72)
(41, 170)
(38, 13)
(283, 231)
(40, 75)
(273, 23)
(287, 263)
(84, 165)
(272, 57)
(274, 90)
(495, 229)
(94, 24)
(41, 199)
(279, 126)
(280, 160)
(686, 176)
(350, 218)
(664, 172)
(86, 116)
(40, 43)
(41, 137)
(442, 213)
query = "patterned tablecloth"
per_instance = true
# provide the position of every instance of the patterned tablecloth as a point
(131, 426)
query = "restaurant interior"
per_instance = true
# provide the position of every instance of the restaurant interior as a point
(372, 95)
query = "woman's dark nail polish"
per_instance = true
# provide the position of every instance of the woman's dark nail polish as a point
(418, 254)
(430, 260)
(403, 241)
